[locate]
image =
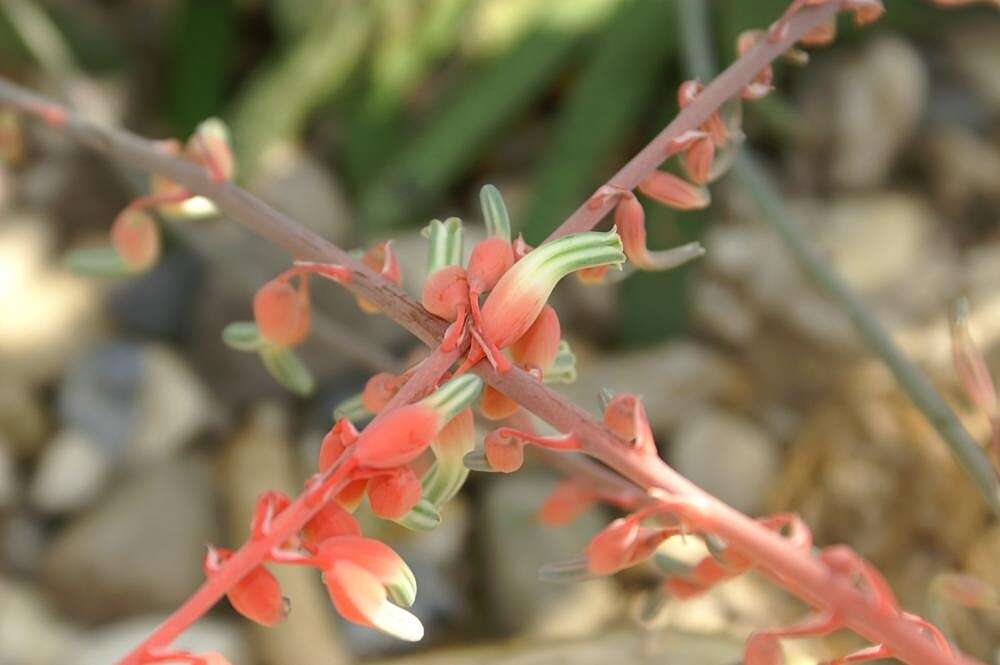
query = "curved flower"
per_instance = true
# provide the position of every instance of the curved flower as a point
(362, 599)
(392, 495)
(136, 238)
(332, 520)
(446, 476)
(282, 311)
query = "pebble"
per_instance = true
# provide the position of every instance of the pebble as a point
(30, 633)
(71, 472)
(727, 455)
(139, 549)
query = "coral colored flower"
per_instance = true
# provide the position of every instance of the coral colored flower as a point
(404, 433)
(382, 260)
(360, 598)
(538, 346)
(351, 495)
(136, 238)
(698, 160)
(626, 416)
(630, 219)
(570, 499)
(715, 126)
(504, 453)
(518, 298)
(257, 596)
(490, 259)
(269, 506)
(332, 520)
(446, 293)
(393, 495)
(340, 437)
(374, 556)
(209, 145)
(763, 649)
(495, 405)
(674, 192)
(609, 551)
(822, 35)
(282, 312)
(447, 475)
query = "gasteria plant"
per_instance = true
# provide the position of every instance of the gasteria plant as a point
(407, 460)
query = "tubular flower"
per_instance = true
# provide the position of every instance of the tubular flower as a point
(404, 433)
(453, 442)
(392, 495)
(495, 405)
(570, 499)
(361, 576)
(698, 160)
(520, 295)
(382, 260)
(622, 544)
(257, 596)
(630, 220)
(136, 238)
(539, 345)
(674, 192)
(503, 449)
(446, 295)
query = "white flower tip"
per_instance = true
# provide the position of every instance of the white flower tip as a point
(397, 622)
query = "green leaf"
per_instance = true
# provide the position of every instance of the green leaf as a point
(243, 336)
(97, 262)
(423, 517)
(288, 369)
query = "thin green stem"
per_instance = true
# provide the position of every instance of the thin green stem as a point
(696, 44)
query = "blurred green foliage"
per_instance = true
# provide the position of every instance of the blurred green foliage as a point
(415, 103)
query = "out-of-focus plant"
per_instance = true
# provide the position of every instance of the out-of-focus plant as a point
(415, 454)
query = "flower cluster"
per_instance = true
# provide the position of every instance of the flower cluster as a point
(136, 241)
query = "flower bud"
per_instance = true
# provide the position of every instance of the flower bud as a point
(763, 649)
(397, 438)
(504, 454)
(495, 405)
(626, 416)
(377, 558)
(822, 35)
(257, 596)
(494, 212)
(568, 500)
(332, 520)
(379, 391)
(490, 259)
(282, 312)
(630, 219)
(210, 146)
(674, 192)
(609, 551)
(360, 598)
(340, 437)
(698, 160)
(446, 293)
(136, 238)
(393, 495)
(350, 497)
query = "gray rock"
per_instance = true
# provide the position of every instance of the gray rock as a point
(975, 49)
(727, 455)
(9, 482)
(516, 545)
(49, 316)
(71, 472)
(22, 418)
(109, 643)
(22, 543)
(140, 549)
(140, 403)
(30, 634)
(863, 109)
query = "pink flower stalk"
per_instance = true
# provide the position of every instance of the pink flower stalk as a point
(763, 83)
(714, 126)
(257, 596)
(136, 238)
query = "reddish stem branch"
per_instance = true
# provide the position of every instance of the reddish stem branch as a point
(797, 571)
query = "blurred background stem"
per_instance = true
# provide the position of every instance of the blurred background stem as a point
(697, 52)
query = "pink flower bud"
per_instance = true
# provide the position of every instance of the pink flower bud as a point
(763, 649)
(340, 437)
(257, 596)
(351, 495)
(398, 437)
(675, 192)
(538, 346)
(698, 160)
(495, 405)
(446, 293)
(209, 146)
(375, 557)
(569, 500)
(457, 437)
(136, 238)
(504, 454)
(360, 598)
(610, 550)
(630, 220)
(715, 126)
(490, 259)
(869, 11)
(282, 312)
(822, 35)
(394, 494)
(332, 520)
